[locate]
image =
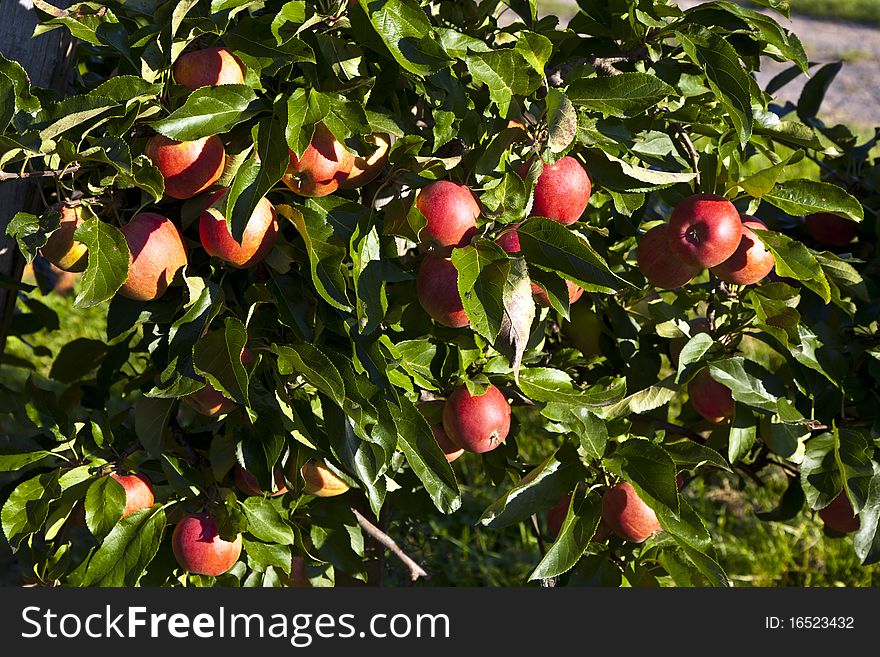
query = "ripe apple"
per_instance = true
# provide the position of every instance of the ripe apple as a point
(188, 167)
(365, 168)
(478, 423)
(556, 515)
(698, 325)
(61, 249)
(248, 484)
(584, 329)
(705, 229)
(208, 67)
(324, 165)
(450, 450)
(211, 402)
(156, 253)
(321, 481)
(709, 398)
(451, 212)
(437, 290)
(659, 265)
(839, 515)
(259, 237)
(751, 261)
(198, 548)
(627, 515)
(509, 239)
(138, 492)
(562, 191)
(831, 229)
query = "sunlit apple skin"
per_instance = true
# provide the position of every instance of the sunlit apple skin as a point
(839, 515)
(437, 290)
(209, 401)
(138, 492)
(198, 548)
(188, 167)
(156, 251)
(662, 267)
(208, 67)
(711, 399)
(477, 423)
(324, 165)
(450, 450)
(260, 233)
(249, 485)
(831, 229)
(562, 191)
(584, 329)
(365, 169)
(698, 325)
(751, 262)
(705, 229)
(451, 212)
(627, 515)
(321, 481)
(61, 249)
(509, 239)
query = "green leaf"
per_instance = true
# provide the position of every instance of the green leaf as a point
(690, 455)
(127, 551)
(546, 384)
(407, 33)
(763, 181)
(802, 197)
(539, 489)
(108, 261)
(743, 434)
(26, 508)
(551, 245)
(208, 111)
(866, 540)
(650, 469)
(266, 523)
(105, 502)
(794, 260)
(506, 73)
(692, 354)
(625, 95)
(315, 368)
(562, 121)
(218, 357)
(152, 423)
(579, 527)
(746, 388)
(591, 431)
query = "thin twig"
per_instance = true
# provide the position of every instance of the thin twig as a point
(603, 65)
(692, 152)
(57, 173)
(671, 428)
(415, 570)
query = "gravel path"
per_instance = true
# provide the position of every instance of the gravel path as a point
(854, 97)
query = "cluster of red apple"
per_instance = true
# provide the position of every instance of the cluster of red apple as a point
(562, 193)
(196, 541)
(191, 167)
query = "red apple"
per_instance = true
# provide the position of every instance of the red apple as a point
(138, 492)
(188, 167)
(478, 423)
(156, 253)
(208, 67)
(627, 515)
(751, 261)
(556, 515)
(258, 240)
(831, 229)
(509, 239)
(366, 168)
(211, 402)
(298, 579)
(709, 398)
(562, 191)
(451, 212)
(61, 249)
(705, 229)
(198, 548)
(437, 290)
(321, 481)
(249, 485)
(324, 165)
(450, 450)
(839, 515)
(659, 265)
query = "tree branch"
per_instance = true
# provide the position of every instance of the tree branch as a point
(57, 173)
(692, 152)
(603, 65)
(415, 570)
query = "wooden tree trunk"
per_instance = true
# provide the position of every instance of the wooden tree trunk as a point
(45, 60)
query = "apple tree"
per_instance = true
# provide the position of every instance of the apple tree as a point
(355, 255)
